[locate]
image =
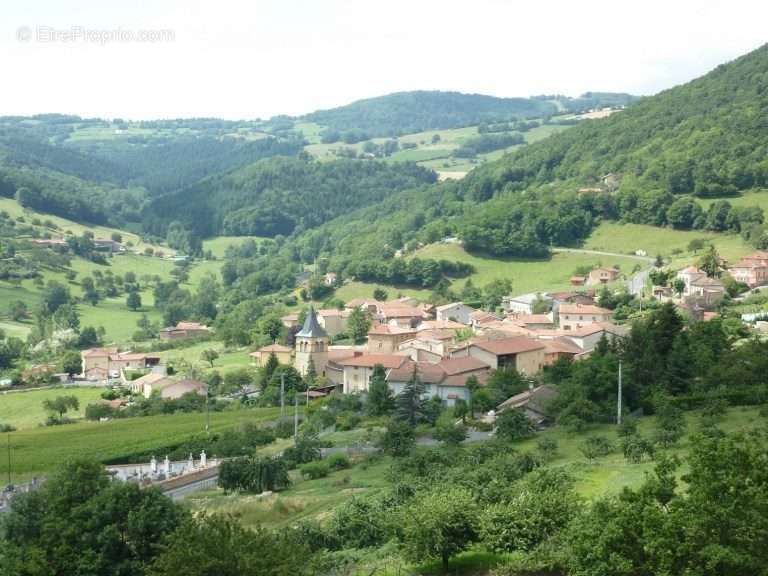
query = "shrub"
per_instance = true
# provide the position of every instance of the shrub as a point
(513, 425)
(635, 448)
(338, 461)
(547, 448)
(596, 446)
(315, 470)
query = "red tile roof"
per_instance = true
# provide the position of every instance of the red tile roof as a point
(583, 309)
(371, 360)
(513, 345)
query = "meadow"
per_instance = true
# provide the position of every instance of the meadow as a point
(526, 275)
(627, 238)
(24, 409)
(37, 451)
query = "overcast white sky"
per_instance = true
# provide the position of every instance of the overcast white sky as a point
(248, 59)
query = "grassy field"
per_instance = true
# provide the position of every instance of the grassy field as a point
(37, 451)
(15, 210)
(227, 360)
(25, 409)
(751, 198)
(526, 275)
(351, 290)
(218, 245)
(627, 238)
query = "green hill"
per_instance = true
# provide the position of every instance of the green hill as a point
(707, 137)
(409, 112)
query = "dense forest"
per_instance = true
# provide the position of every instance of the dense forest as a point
(707, 138)
(281, 195)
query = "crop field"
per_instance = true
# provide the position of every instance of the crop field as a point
(526, 275)
(25, 409)
(37, 451)
(228, 359)
(219, 244)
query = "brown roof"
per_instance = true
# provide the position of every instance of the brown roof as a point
(532, 319)
(441, 325)
(534, 399)
(561, 346)
(449, 373)
(276, 348)
(386, 330)
(583, 309)
(371, 360)
(97, 352)
(190, 326)
(332, 312)
(435, 335)
(513, 345)
(398, 310)
(357, 302)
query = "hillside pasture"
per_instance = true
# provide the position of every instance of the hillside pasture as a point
(627, 238)
(24, 409)
(526, 275)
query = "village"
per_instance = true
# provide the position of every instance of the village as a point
(444, 345)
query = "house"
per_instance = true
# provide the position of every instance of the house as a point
(446, 379)
(456, 311)
(175, 389)
(428, 345)
(524, 354)
(577, 280)
(533, 403)
(708, 289)
(290, 320)
(441, 325)
(399, 314)
(148, 383)
(333, 320)
(571, 316)
(386, 338)
(603, 276)
(357, 371)
(586, 337)
(560, 348)
(184, 330)
(261, 356)
(525, 303)
(108, 245)
(479, 318)
(689, 275)
(752, 270)
(330, 278)
(534, 321)
(103, 363)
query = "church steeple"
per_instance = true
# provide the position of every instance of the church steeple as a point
(311, 345)
(311, 328)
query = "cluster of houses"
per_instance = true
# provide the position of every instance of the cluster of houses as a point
(143, 373)
(445, 345)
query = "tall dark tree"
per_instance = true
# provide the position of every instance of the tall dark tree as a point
(409, 404)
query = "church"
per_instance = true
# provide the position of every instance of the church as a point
(311, 346)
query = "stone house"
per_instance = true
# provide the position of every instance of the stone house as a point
(524, 354)
(386, 339)
(184, 330)
(572, 316)
(261, 356)
(446, 379)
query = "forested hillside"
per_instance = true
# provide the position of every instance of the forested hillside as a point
(708, 137)
(280, 196)
(408, 112)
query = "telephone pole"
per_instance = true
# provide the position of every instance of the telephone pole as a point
(295, 417)
(282, 395)
(9, 459)
(618, 403)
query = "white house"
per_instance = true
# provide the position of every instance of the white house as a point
(457, 311)
(525, 303)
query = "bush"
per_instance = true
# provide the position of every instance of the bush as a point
(338, 461)
(596, 446)
(99, 411)
(547, 448)
(513, 425)
(635, 448)
(315, 470)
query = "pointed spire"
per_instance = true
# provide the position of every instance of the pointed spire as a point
(311, 328)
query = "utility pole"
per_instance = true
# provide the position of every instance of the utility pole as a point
(9, 459)
(282, 395)
(207, 413)
(295, 417)
(618, 403)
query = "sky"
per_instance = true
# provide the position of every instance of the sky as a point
(144, 59)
